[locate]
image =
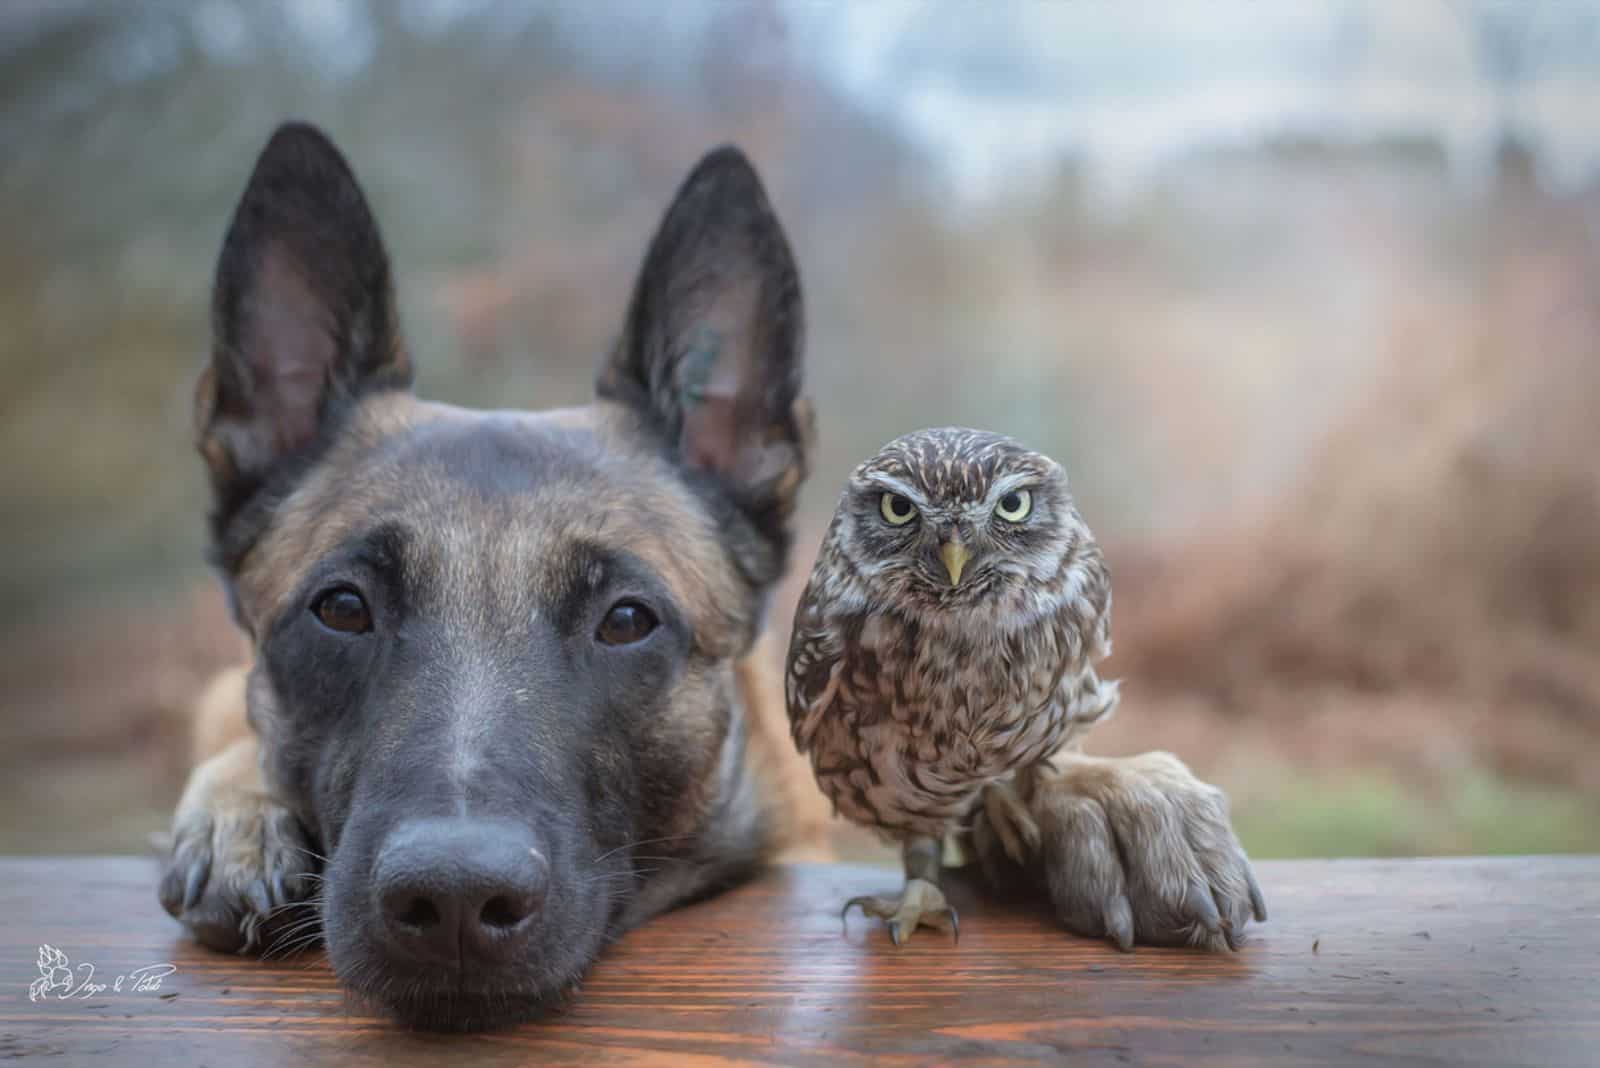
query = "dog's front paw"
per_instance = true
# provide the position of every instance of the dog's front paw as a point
(1137, 850)
(240, 874)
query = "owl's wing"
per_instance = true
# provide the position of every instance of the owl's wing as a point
(1083, 625)
(1086, 699)
(816, 661)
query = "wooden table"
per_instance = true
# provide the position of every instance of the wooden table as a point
(1437, 961)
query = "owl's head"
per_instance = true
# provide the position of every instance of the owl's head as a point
(957, 516)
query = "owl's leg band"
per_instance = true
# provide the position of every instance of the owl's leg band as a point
(921, 903)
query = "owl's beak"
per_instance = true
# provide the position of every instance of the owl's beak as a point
(955, 557)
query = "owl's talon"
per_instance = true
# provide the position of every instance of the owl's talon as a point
(920, 904)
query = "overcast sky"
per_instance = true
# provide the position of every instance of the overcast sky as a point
(1004, 88)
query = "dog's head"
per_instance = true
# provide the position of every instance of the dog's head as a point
(495, 650)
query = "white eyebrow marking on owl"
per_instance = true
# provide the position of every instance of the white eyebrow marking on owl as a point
(1007, 483)
(891, 484)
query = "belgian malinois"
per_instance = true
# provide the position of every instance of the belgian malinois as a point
(496, 652)
(500, 657)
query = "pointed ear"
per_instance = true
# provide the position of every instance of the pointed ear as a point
(302, 316)
(711, 352)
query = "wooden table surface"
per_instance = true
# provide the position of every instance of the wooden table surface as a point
(1437, 961)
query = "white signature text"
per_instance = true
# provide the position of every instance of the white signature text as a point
(60, 979)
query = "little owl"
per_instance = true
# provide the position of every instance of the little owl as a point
(943, 648)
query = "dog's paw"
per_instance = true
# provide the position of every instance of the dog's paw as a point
(1136, 850)
(240, 874)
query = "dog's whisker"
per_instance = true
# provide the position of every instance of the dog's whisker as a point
(298, 928)
(301, 924)
(291, 949)
(278, 910)
(607, 877)
(312, 853)
(288, 943)
(641, 842)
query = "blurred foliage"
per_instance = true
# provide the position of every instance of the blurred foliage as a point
(1325, 393)
(1369, 816)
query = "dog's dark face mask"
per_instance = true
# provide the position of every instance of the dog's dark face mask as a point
(494, 673)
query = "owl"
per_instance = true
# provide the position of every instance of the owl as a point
(944, 647)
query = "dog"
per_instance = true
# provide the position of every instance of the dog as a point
(509, 693)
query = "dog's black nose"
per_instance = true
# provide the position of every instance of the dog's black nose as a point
(459, 890)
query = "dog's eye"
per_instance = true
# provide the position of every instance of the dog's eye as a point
(626, 623)
(342, 609)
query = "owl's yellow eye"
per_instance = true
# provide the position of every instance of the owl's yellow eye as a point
(1014, 506)
(898, 510)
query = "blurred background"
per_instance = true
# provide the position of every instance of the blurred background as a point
(1306, 297)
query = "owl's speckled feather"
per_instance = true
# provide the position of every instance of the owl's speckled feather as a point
(912, 692)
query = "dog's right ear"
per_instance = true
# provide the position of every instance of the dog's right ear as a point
(302, 317)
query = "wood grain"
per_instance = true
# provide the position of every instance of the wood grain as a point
(1437, 961)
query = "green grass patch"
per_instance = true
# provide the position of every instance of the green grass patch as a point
(1365, 815)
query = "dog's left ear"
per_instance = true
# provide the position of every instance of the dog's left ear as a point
(711, 351)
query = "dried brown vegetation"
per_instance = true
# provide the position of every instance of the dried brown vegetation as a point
(1428, 595)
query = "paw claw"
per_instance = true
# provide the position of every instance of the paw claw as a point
(257, 897)
(235, 861)
(1199, 904)
(1015, 827)
(1258, 904)
(195, 884)
(1140, 851)
(1119, 922)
